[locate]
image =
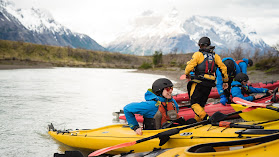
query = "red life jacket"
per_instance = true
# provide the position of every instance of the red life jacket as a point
(163, 108)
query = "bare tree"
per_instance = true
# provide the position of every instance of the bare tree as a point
(237, 54)
(256, 56)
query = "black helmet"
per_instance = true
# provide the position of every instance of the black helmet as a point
(160, 84)
(204, 41)
(230, 67)
(250, 62)
(241, 77)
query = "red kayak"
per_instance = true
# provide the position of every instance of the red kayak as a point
(188, 113)
(185, 97)
(269, 85)
(211, 108)
(214, 93)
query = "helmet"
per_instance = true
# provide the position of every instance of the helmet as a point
(204, 41)
(241, 77)
(230, 67)
(159, 85)
(250, 62)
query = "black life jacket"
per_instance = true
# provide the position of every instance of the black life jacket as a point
(207, 66)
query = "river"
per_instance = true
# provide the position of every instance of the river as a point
(70, 98)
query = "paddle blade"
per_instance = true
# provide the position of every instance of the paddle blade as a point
(238, 100)
(249, 109)
(217, 117)
(183, 77)
(104, 150)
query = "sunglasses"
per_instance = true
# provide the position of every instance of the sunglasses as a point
(169, 88)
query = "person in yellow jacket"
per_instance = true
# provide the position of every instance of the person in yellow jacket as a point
(204, 63)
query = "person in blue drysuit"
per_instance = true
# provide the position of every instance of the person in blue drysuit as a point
(243, 64)
(158, 108)
(232, 70)
(241, 90)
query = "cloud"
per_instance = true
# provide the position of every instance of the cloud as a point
(103, 19)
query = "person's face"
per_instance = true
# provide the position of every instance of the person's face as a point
(244, 82)
(167, 92)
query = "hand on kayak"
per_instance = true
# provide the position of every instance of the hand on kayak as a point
(139, 131)
(258, 96)
(270, 91)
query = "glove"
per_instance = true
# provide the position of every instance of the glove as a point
(223, 100)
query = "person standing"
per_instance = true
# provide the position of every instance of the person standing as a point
(204, 62)
(232, 70)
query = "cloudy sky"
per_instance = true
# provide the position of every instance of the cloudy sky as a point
(102, 20)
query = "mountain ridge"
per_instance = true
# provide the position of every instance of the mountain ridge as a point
(170, 34)
(38, 26)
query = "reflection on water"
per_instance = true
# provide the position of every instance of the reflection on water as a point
(70, 98)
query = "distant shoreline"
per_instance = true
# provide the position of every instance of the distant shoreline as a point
(171, 73)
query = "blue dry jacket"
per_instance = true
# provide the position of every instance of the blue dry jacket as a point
(236, 91)
(219, 77)
(243, 65)
(146, 108)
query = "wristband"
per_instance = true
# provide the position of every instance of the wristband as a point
(135, 127)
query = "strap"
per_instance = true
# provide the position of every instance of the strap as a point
(206, 66)
(224, 124)
(237, 85)
(212, 66)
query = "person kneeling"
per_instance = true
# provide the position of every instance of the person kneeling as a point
(242, 90)
(158, 109)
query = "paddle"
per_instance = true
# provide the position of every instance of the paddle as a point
(249, 104)
(234, 125)
(165, 136)
(274, 98)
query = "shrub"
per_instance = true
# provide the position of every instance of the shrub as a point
(157, 58)
(145, 65)
(268, 64)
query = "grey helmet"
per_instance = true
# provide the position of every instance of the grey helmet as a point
(241, 77)
(159, 85)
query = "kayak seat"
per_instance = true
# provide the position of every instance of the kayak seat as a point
(205, 149)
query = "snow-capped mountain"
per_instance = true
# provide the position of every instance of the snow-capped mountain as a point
(38, 26)
(151, 32)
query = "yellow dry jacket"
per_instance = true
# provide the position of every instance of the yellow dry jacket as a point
(198, 58)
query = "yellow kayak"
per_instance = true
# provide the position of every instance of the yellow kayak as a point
(261, 146)
(258, 114)
(116, 134)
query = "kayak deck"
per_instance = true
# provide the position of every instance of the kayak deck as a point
(116, 134)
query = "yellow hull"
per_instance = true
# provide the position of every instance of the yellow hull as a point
(253, 149)
(258, 114)
(116, 134)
